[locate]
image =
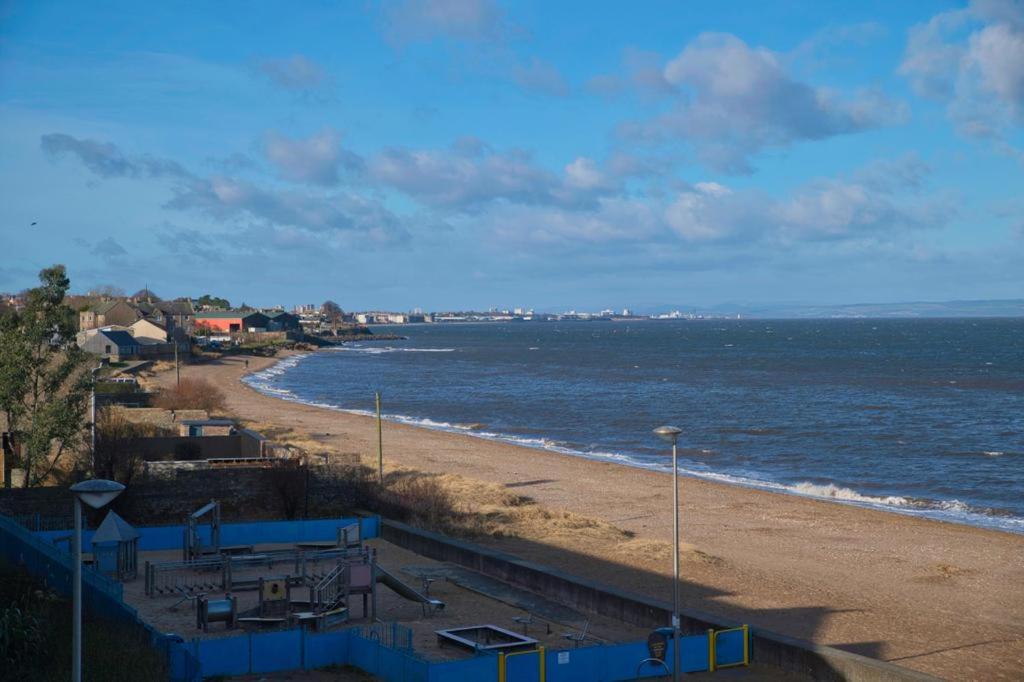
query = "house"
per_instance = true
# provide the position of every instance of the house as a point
(171, 315)
(147, 332)
(108, 313)
(280, 321)
(230, 321)
(85, 334)
(113, 344)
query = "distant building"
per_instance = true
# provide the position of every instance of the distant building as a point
(230, 321)
(280, 321)
(106, 313)
(147, 332)
(111, 344)
(171, 315)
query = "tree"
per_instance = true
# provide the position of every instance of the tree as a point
(146, 295)
(334, 314)
(208, 301)
(118, 456)
(44, 385)
(107, 291)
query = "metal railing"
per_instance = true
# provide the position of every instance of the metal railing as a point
(326, 593)
(222, 572)
(389, 635)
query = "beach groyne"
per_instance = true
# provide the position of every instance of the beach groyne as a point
(804, 658)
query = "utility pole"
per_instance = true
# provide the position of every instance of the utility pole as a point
(380, 442)
(177, 372)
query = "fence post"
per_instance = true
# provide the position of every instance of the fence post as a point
(711, 651)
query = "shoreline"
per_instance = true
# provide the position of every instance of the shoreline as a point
(934, 596)
(842, 495)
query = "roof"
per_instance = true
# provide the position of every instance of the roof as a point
(207, 422)
(166, 307)
(104, 307)
(226, 314)
(114, 529)
(277, 313)
(149, 321)
(119, 338)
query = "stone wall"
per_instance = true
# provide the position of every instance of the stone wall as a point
(244, 494)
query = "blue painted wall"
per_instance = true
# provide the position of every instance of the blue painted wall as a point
(249, 533)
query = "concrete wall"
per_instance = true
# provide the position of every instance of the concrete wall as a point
(793, 655)
(244, 493)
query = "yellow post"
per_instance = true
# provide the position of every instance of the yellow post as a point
(543, 670)
(380, 442)
(711, 651)
(746, 645)
(501, 667)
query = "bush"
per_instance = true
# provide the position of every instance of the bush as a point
(35, 638)
(118, 456)
(192, 394)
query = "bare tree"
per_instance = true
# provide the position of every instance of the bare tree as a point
(118, 456)
(107, 291)
(288, 479)
(334, 314)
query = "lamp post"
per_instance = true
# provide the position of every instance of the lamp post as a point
(96, 493)
(92, 411)
(671, 434)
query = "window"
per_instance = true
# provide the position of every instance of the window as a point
(108, 349)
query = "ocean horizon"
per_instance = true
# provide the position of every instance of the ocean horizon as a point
(918, 417)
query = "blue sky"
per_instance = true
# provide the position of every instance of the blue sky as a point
(453, 154)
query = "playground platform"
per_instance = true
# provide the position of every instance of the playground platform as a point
(243, 599)
(469, 599)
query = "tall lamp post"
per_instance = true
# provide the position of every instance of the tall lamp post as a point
(671, 434)
(96, 493)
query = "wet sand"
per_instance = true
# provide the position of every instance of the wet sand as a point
(943, 598)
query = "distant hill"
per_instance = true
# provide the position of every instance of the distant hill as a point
(984, 308)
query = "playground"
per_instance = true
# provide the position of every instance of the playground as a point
(227, 599)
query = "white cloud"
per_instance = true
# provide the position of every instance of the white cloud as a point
(584, 173)
(410, 21)
(972, 59)
(877, 204)
(540, 76)
(314, 159)
(471, 175)
(733, 100)
(296, 73)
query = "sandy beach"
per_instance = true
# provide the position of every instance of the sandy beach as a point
(942, 598)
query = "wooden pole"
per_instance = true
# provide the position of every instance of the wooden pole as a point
(380, 442)
(177, 372)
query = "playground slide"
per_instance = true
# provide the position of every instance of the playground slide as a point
(404, 591)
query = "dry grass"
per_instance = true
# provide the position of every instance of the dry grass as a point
(192, 394)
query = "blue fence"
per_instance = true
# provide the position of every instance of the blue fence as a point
(249, 533)
(102, 597)
(300, 650)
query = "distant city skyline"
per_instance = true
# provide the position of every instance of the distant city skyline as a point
(451, 154)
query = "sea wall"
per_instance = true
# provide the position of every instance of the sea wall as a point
(793, 655)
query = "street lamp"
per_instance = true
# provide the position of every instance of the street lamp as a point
(671, 434)
(96, 493)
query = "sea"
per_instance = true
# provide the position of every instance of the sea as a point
(917, 416)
